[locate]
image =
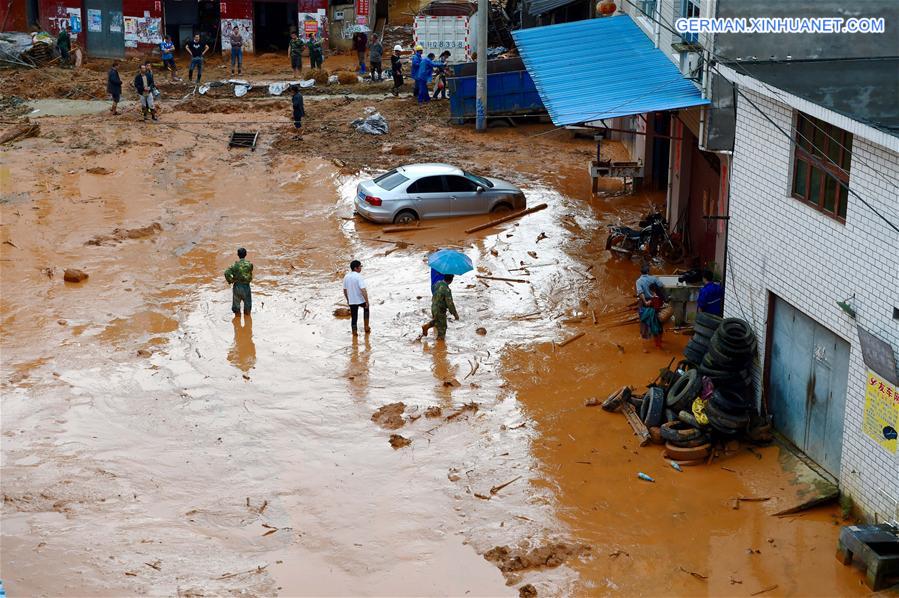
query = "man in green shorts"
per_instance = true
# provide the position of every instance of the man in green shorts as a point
(240, 275)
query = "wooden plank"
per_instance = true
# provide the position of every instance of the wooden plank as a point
(636, 423)
(502, 279)
(508, 218)
(572, 339)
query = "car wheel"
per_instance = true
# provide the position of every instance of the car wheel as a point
(406, 217)
(501, 208)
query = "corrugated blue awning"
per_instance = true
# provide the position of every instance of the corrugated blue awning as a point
(601, 68)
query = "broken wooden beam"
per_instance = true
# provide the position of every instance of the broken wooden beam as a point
(502, 279)
(508, 218)
(630, 414)
(572, 339)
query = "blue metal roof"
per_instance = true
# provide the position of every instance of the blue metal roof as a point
(601, 68)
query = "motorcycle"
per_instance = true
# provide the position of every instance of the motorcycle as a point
(650, 240)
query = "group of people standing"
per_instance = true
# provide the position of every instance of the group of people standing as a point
(355, 291)
(423, 69)
(143, 84)
(296, 48)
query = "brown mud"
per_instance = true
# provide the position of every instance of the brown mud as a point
(152, 444)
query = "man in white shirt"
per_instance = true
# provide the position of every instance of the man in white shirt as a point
(356, 294)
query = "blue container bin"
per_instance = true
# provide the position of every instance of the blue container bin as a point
(510, 90)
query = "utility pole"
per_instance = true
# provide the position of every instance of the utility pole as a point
(481, 103)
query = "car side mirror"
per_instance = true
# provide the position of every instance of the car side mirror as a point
(479, 189)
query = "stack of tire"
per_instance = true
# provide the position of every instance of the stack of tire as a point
(703, 330)
(685, 441)
(728, 364)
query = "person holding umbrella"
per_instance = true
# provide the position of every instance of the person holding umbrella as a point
(447, 263)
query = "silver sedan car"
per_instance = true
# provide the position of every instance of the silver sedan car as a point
(408, 193)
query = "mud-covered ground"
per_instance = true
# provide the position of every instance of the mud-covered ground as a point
(153, 445)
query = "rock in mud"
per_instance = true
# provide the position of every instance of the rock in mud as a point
(402, 150)
(482, 331)
(74, 275)
(527, 591)
(390, 416)
(99, 170)
(511, 560)
(433, 411)
(398, 442)
(342, 312)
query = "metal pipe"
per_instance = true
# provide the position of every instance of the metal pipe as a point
(481, 90)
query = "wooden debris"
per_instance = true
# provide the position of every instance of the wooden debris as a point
(496, 489)
(636, 423)
(572, 339)
(617, 398)
(466, 407)
(502, 279)
(698, 576)
(763, 590)
(19, 132)
(258, 569)
(508, 218)
(752, 498)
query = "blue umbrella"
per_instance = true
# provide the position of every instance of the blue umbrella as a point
(448, 261)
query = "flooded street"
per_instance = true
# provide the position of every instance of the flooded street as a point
(153, 445)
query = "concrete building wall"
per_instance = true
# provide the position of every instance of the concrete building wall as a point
(779, 245)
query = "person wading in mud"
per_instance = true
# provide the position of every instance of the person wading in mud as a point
(197, 50)
(144, 84)
(114, 86)
(295, 53)
(650, 298)
(239, 276)
(441, 302)
(356, 295)
(298, 112)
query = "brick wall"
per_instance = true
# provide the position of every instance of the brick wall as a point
(780, 245)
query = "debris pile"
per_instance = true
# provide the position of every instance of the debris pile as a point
(373, 124)
(706, 401)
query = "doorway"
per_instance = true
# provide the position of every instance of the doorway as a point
(808, 369)
(104, 31)
(273, 20)
(33, 13)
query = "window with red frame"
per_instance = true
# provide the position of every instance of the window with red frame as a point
(821, 165)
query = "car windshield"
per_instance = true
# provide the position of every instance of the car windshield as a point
(390, 180)
(479, 180)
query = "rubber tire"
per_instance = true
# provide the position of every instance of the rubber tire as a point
(684, 389)
(685, 463)
(688, 418)
(719, 418)
(401, 217)
(653, 407)
(726, 362)
(678, 431)
(677, 453)
(724, 400)
(501, 208)
(698, 344)
(729, 351)
(709, 320)
(736, 332)
(670, 416)
(694, 356)
(703, 439)
(705, 331)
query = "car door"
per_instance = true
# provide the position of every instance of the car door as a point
(429, 197)
(464, 196)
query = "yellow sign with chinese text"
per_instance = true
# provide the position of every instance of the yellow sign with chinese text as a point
(881, 420)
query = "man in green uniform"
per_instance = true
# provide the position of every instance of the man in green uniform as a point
(239, 275)
(295, 52)
(64, 43)
(316, 54)
(441, 301)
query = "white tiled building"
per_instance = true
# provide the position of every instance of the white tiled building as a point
(790, 262)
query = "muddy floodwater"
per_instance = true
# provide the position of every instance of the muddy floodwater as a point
(152, 444)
